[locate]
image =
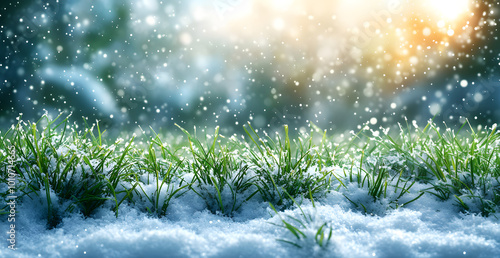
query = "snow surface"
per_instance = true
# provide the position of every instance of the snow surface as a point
(425, 228)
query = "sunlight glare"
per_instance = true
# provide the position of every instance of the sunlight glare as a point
(449, 9)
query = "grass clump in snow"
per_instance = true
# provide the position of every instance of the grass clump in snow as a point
(66, 170)
(66, 173)
(465, 168)
(158, 182)
(306, 230)
(222, 182)
(284, 172)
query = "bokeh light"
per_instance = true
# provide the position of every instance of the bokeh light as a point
(336, 63)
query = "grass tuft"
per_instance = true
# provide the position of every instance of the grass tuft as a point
(70, 170)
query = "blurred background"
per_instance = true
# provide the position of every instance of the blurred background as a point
(337, 63)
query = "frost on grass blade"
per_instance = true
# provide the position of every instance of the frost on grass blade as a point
(308, 230)
(62, 175)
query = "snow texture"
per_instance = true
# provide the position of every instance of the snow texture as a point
(425, 228)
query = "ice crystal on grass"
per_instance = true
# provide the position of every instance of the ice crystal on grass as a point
(81, 173)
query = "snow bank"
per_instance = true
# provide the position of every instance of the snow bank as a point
(427, 228)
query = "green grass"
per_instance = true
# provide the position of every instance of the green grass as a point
(306, 228)
(70, 170)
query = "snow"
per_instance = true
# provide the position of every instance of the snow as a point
(424, 228)
(200, 63)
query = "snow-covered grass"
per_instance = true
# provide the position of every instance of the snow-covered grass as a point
(419, 192)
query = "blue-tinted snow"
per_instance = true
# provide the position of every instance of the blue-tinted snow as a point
(425, 228)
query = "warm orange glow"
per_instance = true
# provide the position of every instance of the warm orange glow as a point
(387, 41)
